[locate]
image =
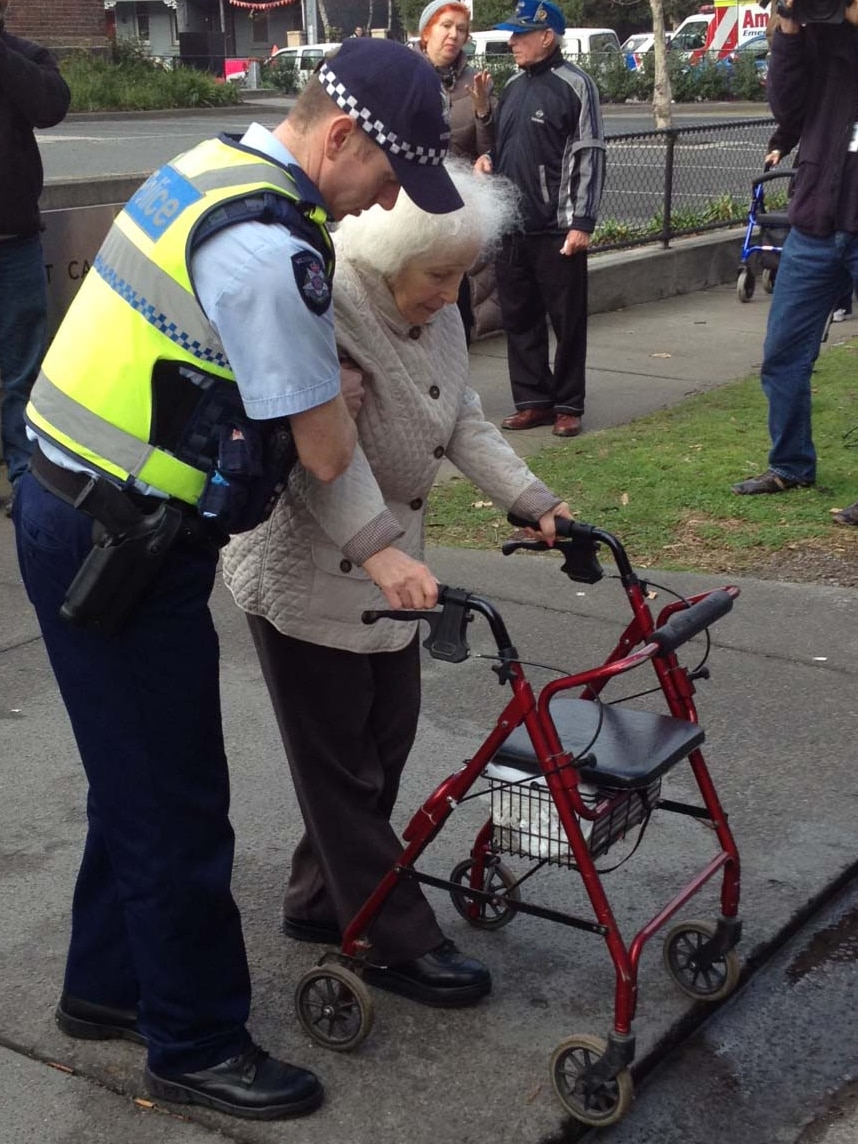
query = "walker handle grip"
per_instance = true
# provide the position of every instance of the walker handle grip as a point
(682, 626)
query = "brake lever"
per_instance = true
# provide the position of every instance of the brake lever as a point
(510, 546)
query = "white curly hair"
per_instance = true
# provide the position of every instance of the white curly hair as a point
(385, 241)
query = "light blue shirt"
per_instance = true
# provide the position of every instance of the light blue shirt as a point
(284, 356)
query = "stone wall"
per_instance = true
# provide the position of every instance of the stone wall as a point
(59, 24)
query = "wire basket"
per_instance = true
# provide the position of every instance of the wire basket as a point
(527, 825)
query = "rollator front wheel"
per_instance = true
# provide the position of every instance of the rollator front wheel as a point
(768, 280)
(587, 1098)
(704, 982)
(745, 284)
(334, 1007)
(498, 879)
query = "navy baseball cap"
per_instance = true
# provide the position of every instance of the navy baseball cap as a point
(534, 16)
(395, 95)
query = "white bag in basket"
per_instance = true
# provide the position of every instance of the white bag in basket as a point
(526, 814)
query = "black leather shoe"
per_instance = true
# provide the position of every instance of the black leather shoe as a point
(252, 1085)
(91, 1022)
(445, 977)
(323, 933)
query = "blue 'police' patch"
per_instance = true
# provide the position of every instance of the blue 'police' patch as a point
(311, 280)
(161, 200)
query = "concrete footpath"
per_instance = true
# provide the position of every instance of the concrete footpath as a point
(780, 725)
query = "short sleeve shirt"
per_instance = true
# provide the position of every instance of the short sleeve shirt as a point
(282, 353)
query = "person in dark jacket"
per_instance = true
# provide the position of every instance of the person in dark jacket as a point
(32, 94)
(549, 142)
(813, 93)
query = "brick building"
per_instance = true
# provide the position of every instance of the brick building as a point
(59, 23)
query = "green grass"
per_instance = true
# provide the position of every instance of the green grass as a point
(662, 483)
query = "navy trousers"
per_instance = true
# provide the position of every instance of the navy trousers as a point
(154, 923)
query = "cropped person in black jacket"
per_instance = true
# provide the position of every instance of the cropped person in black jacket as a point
(813, 93)
(32, 94)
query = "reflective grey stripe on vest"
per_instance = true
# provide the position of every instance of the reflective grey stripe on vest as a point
(177, 314)
(81, 424)
(254, 173)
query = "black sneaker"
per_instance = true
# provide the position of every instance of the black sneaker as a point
(90, 1022)
(445, 978)
(252, 1085)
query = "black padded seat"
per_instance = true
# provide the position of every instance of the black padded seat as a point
(632, 747)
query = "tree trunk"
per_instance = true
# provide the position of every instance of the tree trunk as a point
(661, 93)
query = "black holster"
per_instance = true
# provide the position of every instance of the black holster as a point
(130, 544)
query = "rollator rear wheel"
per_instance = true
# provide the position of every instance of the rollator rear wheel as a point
(745, 284)
(498, 879)
(768, 280)
(594, 1102)
(334, 1007)
(704, 983)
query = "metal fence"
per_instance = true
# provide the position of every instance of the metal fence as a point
(678, 181)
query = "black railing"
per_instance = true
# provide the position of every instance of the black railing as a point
(663, 184)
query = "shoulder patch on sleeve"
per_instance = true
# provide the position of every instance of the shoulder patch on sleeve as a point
(312, 283)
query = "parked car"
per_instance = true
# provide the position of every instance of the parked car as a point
(636, 47)
(755, 48)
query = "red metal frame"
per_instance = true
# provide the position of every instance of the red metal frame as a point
(524, 708)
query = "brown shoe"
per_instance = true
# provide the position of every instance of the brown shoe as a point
(566, 425)
(847, 515)
(528, 419)
(768, 482)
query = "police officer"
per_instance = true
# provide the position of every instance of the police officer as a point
(198, 352)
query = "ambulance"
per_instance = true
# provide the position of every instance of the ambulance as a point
(717, 30)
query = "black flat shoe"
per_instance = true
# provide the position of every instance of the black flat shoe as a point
(445, 977)
(323, 933)
(253, 1086)
(90, 1022)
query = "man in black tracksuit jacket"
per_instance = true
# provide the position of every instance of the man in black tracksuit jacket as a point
(813, 92)
(32, 94)
(550, 143)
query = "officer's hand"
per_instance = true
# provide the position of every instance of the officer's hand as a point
(483, 165)
(788, 26)
(773, 158)
(576, 240)
(352, 385)
(405, 582)
(851, 13)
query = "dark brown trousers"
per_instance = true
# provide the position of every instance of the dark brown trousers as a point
(348, 722)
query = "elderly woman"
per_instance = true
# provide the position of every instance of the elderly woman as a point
(444, 30)
(347, 695)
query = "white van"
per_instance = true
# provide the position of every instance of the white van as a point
(598, 42)
(306, 58)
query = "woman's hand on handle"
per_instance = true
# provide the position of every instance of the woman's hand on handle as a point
(405, 582)
(547, 530)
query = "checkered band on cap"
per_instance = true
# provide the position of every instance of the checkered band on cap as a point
(383, 136)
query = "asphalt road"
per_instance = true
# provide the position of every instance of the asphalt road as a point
(137, 143)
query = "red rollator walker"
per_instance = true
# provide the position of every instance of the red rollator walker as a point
(568, 777)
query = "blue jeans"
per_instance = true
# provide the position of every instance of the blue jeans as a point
(154, 923)
(813, 274)
(23, 326)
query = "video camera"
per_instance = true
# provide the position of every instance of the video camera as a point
(812, 11)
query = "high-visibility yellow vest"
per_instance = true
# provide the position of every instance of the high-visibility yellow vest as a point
(136, 310)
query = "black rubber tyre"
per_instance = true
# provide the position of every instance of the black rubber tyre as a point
(334, 1007)
(768, 280)
(596, 1105)
(745, 284)
(681, 946)
(498, 878)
